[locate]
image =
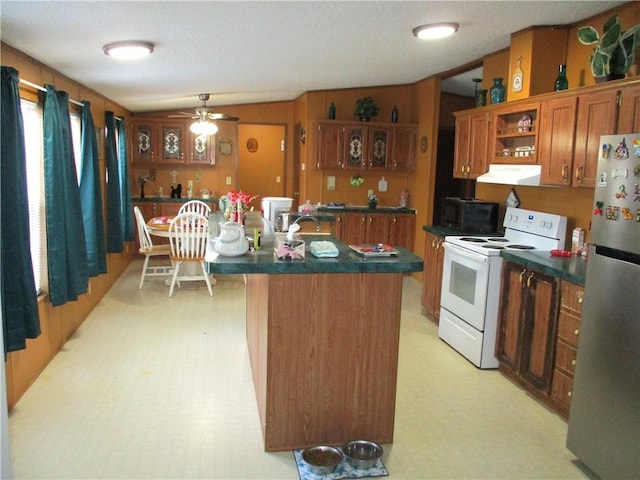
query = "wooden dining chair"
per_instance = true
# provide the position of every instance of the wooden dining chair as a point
(149, 250)
(195, 206)
(188, 235)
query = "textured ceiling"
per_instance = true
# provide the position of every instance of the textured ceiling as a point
(248, 52)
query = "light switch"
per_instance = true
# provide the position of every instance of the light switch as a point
(228, 180)
(278, 179)
(331, 182)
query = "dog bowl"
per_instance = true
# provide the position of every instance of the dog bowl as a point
(322, 459)
(362, 453)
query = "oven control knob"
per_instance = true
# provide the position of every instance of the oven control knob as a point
(543, 224)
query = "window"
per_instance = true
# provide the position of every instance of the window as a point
(76, 139)
(33, 139)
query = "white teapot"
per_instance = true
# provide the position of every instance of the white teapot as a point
(232, 241)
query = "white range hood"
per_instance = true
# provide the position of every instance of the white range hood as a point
(512, 174)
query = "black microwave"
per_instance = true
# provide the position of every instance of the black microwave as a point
(469, 215)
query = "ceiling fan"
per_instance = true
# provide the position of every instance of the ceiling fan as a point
(203, 115)
(204, 112)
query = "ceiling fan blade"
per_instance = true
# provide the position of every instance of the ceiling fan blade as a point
(182, 115)
(222, 116)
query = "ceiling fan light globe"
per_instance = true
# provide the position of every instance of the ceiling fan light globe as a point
(203, 128)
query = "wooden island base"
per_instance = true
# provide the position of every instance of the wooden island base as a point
(324, 355)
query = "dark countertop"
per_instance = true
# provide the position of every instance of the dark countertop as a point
(265, 261)
(572, 269)
(366, 209)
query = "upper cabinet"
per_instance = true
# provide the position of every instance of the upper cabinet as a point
(169, 142)
(514, 134)
(560, 131)
(629, 116)
(556, 140)
(362, 146)
(597, 115)
(471, 143)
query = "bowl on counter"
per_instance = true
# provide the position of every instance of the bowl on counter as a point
(362, 453)
(322, 459)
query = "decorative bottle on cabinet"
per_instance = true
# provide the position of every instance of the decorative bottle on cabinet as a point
(561, 82)
(332, 111)
(394, 115)
(497, 91)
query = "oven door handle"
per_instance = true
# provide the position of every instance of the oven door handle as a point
(476, 257)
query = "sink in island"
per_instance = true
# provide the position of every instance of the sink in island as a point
(323, 338)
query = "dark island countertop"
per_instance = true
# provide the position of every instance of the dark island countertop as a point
(366, 209)
(572, 269)
(264, 261)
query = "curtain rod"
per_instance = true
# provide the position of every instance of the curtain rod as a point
(42, 89)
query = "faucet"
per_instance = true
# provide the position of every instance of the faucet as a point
(308, 216)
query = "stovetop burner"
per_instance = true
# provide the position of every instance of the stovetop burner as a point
(494, 247)
(521, 247)
(497, 239)
(473, 239)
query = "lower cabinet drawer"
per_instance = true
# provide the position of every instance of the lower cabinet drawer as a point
(565, 357)
(561, 387)
(568, 327)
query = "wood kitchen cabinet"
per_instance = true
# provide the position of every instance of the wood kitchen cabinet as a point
(471, 144)
(597, 115)
(432, 279)
(527, 327)
(571, 299)
(556, 140)
(403, 154)
(402, 229)
(358, 146)
(358, 227)
(170, 142)
(629, 114)
(514, 135)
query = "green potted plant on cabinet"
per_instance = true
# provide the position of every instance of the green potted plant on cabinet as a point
(614, 50)
(366, 108)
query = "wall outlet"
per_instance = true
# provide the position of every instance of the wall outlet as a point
(331, 182)
(278, 179)
(370, 192)
(228, 180)
(190, 184)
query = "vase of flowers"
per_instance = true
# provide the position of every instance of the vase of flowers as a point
(373, 201)
(142, 179)
(239, 205)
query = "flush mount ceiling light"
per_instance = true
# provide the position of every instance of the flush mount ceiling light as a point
(435, 31)
(128, 49)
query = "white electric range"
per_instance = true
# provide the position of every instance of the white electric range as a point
(471, 280)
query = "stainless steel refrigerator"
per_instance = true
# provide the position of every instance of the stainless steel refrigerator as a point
(604, 422)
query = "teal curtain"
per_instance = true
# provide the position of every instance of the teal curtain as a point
(66, 245)
(115, 236)
(125, 195)
(91, 196)
(19, 296)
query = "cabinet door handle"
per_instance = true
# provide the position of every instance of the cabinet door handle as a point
(568, 394)
(521, 275)
(576, 332)
(529, 279)
(433, 243)
(565, 170)
(579, 174)
(580, 300)
(573, 362)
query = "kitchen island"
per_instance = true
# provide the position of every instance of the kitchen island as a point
(323, 338)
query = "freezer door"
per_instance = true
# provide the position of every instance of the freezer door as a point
(604, 422)
(615, 222)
